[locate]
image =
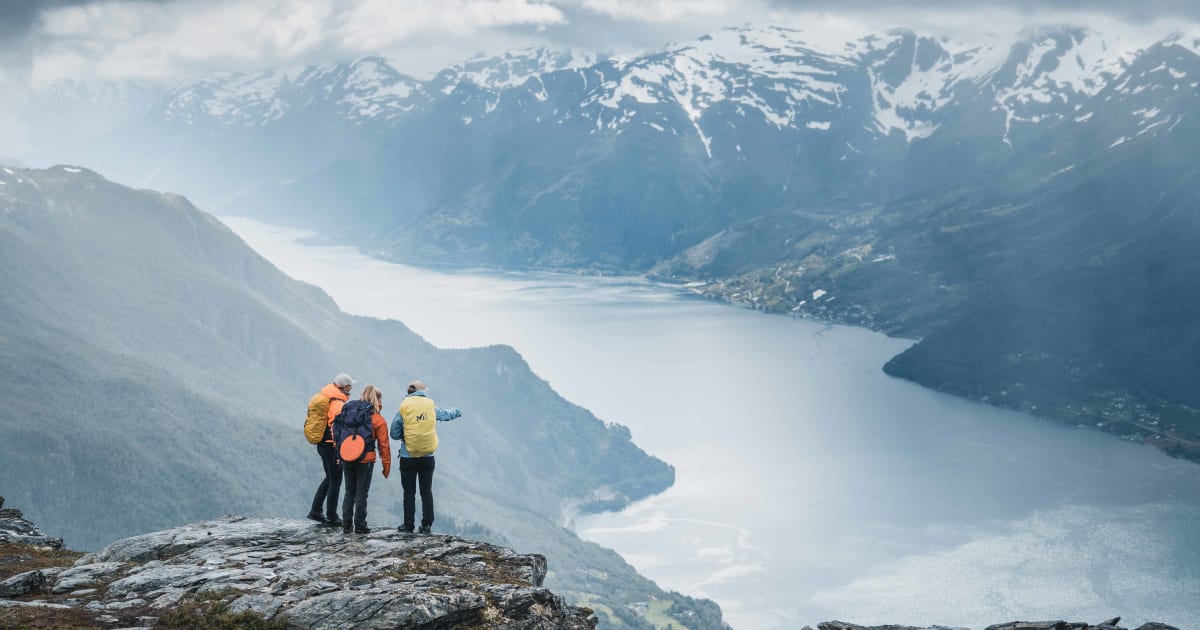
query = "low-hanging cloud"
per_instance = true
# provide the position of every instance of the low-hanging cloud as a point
(164, 40)
(171, 40)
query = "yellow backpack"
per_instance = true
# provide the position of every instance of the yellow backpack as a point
(420, 425)
(317, 418)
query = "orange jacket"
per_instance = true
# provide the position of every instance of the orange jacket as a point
(336, 401)
(380, 429)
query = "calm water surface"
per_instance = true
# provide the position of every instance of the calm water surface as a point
(811, 486)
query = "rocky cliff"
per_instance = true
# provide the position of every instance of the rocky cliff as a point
(235, 572)
(268, 573)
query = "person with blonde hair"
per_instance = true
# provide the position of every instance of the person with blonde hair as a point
(415, 425)
(359, 432)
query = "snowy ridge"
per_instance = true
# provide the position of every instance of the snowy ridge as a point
(1051, 71)
(511, 69)
(367, 88)
(732, 65)
(900, 81)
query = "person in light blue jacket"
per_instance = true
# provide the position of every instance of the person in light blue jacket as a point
(415, 426)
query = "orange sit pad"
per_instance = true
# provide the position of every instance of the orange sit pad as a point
(352, 448)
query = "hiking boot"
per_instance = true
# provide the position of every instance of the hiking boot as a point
(405, 529)
(333, 522)
(347, 530)
(316, 516)
(425, 529)
(362, 530)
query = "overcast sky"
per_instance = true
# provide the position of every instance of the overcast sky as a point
(170, 40)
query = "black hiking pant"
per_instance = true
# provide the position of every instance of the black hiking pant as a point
(414, 470)
(358, 484)
(331, 485)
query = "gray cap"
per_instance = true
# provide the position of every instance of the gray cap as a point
(343, 379)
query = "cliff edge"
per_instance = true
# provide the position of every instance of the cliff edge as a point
(274, 573)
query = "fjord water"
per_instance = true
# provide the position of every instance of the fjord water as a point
(810, 485)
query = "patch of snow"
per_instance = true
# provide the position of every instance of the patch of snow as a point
(1153, 126)
(823, 126)
(9, 171)
(1119, 142)
(883, 258)
(816, 295)
(1084, 118)
(71, 170)
(1147, 113)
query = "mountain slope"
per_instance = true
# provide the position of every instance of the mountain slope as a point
(159, 369)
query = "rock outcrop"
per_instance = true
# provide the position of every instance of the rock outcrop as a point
(298, 574)
(14, 529)
(280, 573)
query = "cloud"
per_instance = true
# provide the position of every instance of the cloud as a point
(161, 40)
(658, 10)
(164, 40)
(373, 25)
(173, 40)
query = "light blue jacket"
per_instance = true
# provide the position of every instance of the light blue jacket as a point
(444, 415)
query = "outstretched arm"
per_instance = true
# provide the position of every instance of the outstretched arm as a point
(446, 415)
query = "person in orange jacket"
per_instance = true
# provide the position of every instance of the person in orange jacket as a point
(322, 409)
(358, 473)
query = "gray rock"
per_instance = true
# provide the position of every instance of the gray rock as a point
(127, 604)
(316, 578)
(9, 603)
(1035, 625)
(1153, 625)
(15, 529)
(22, 583)
(76, 576)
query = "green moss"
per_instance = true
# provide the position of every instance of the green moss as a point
(210, 612)
(22, 558)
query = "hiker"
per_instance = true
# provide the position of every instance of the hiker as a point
(358, 432)
(323, 407)
(415, 427)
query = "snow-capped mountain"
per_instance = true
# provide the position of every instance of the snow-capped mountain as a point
(772, 72)
(778, 108)
(367, 89)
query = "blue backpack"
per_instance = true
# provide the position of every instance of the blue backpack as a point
(352, 432)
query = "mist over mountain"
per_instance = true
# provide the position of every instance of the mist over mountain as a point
(1016, 202)
(159, 370)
